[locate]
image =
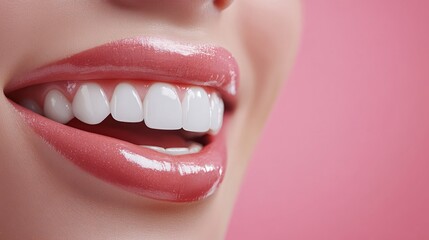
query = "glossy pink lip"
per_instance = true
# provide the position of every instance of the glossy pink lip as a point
(141, 58)
(140, 170)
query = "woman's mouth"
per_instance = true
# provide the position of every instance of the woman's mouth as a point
(146, 114)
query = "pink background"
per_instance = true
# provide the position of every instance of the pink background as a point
(345, 154)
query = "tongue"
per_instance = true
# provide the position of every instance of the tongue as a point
(136, 133)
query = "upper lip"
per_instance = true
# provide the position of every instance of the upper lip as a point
(181, 178)
(144, 58)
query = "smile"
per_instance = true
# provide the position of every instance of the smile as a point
(149, 115)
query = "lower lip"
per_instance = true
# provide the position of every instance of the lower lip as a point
(143, 171)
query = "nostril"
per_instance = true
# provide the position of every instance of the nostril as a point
(222, 4)
(175, 10)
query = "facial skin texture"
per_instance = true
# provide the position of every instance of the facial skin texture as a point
(44, 196)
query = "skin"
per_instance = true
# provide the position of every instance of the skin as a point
(45, 197)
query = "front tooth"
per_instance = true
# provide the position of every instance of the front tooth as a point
(196, 110)
(162, 107)
(216, 108)
(57, 107)
(177, 151)
(126, 105)
(31, 105)
(90, 104)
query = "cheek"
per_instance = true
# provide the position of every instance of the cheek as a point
(270, 31)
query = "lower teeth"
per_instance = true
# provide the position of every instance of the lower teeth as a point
(193, 148)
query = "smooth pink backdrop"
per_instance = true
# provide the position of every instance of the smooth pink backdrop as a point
(345, 154)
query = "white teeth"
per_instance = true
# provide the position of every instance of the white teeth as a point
(90, 104)
(31, 105)
(155, 148)
(162, 107)
(126, 105)
(196, 110)
(193, 148)
(177, 151)
(216, 108)
(57, 107)
(197, 113)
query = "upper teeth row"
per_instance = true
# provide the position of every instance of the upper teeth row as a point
(161, 108)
